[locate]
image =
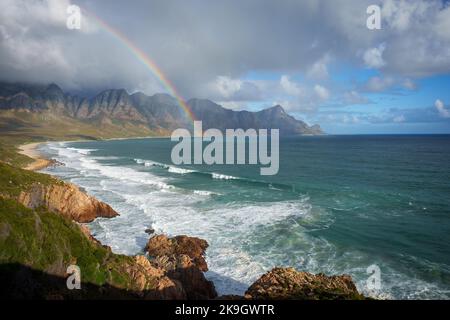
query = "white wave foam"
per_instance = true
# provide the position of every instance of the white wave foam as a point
(179, 170)
(171, 169)
(246, 239)
(149, 163)
(82, 151)
(223, 176)
(204, 193)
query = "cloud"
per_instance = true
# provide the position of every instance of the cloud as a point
(353, 97)
(373, 58)
(224, 88)
(385, 83)
(443, 112)
(291, 88)
(399, 119)
(409, 84)
(321, 92)
(195, 43)
(319, 70)
(378, 84)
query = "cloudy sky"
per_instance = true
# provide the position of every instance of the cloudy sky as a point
(316, 58)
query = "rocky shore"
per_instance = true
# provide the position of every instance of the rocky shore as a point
(41, 235)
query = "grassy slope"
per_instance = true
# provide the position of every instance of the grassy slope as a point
(48, 242)
(9, 154)
(45, 243)
(40, 240)
(13, 180)
(21, 126)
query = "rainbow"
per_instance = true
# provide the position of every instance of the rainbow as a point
(145, 60)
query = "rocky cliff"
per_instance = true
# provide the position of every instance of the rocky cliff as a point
(66, 199)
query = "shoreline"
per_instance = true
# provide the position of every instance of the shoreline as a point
(39, 161)
(42, 160)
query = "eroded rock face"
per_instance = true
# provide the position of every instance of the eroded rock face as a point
(67, 200)
(182, 258)
(194, 248)
(287, 283)
(152, 281)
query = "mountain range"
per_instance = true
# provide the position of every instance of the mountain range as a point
(47, 111)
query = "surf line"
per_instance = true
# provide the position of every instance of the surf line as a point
(235, 147)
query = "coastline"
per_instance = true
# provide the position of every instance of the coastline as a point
(30, 150)
(40, 161)
(203, 286)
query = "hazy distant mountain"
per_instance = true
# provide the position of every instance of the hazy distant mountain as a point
(215, 116)
(116, 113)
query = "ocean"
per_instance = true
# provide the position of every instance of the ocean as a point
(339, 204)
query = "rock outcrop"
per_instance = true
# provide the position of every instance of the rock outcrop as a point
(150, 282)
(182, 258)
(194, 248)
(66, 199)
(289, 284)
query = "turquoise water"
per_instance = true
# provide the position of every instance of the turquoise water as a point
(339, 204)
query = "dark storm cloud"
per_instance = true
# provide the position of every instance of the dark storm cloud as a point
(197, 42)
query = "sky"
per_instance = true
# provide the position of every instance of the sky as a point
(316, 58)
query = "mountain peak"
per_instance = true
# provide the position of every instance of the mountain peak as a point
(54, 90)
(277, 109)
(164, 98)
(53, 86)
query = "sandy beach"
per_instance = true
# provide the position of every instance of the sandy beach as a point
(30, 150)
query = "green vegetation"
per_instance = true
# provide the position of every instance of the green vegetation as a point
(13, 180)
(47, 242)
(9, 154)
(20, 126)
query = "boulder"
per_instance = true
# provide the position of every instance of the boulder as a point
(182, 258)
(287, 283)
(161, 245)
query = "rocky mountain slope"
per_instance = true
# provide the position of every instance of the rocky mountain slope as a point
(48, 111)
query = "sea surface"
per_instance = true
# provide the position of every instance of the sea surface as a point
(339, 204)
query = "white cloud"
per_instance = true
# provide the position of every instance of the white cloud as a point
(442, 25)
(227, 87)
(399, 119)
(290, 87)
(373, 58)
(409, 84)
(443, 112)
(378, 84)
(319, 70)
(321, 92)
(353, 97)
(224, 88)
(400, 15)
